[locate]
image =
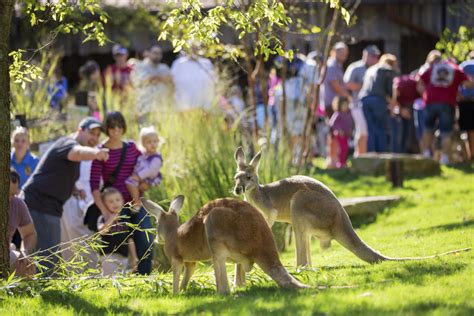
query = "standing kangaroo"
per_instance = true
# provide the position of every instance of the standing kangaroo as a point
(222, 229)
(309, 206)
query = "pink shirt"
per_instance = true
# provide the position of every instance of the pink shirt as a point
(102, 170)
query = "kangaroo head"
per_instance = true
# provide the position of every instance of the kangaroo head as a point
(165, 221)
(246, 177)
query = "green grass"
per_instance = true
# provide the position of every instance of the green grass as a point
(436, 215)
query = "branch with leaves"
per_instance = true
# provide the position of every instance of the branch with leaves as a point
(62, 14)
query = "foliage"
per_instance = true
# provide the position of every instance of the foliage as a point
(435, 216)
(456, 44)
(259, 21)
(61, 13)
(32, 99)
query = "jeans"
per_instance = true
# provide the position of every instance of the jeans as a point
(419, 123)
(400, 130)
(376, 115)
(442, 112)
(48, 230)
(143, 240)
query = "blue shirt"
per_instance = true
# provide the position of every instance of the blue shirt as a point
(468, 68)
(26, 167)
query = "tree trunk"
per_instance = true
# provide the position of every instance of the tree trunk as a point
(6, 10)
(310, 115)
(251, 91)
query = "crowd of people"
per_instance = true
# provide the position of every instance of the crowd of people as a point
(79, 186)
(373, 107)
(390, 111)
(147, 83)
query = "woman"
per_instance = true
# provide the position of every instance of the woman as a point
(22, 160)
(115, 128)
(89, 87)
(376, 95)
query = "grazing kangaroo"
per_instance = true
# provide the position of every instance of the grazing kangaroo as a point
(309, 206)
(222, 229)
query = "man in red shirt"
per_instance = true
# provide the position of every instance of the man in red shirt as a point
(439, 85)
(118, 74)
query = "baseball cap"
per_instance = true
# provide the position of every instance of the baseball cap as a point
(90, 123)
(372, 50)
(339, 45)
(119, 50)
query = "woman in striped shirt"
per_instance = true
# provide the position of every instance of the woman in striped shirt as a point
(115, 127)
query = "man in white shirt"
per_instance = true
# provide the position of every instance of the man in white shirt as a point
(195, 79)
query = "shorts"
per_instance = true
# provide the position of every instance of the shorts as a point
(444, 113)
(360, 124)
(466, 115)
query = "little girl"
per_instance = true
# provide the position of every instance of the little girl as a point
(147, 169)
(341, 126)
(116, 235)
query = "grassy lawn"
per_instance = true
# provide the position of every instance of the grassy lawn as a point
(436, 215)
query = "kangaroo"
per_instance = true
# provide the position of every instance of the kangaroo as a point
(310, 207)
(222, 229)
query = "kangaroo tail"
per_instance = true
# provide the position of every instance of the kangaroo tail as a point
(429, 257)
(348, 238)
(279, 274)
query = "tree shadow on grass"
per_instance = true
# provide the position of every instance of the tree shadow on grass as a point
(256, 300)
(446, 227)
(467, 167)
(410, 272)
(80, 305)
(419, 272)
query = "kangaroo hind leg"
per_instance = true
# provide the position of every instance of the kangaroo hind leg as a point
(303, 256)
(222, 282)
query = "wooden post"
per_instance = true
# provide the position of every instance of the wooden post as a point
(395, 173)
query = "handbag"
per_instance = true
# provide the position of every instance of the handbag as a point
(93, 212)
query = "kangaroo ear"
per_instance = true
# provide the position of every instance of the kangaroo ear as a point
(152, 208)
(240, 158)
(177, 203)
(255, 160)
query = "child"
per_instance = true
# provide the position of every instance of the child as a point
(341, 126)
(147, 169)
(22, 160)
(119, 247)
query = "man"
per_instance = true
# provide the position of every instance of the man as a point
(439, 85)
(194, 80)
(153, 83)
(118, 74)
(333, 86)
(353, 78)
(334, 82)
(19, 219)
(53, 180)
